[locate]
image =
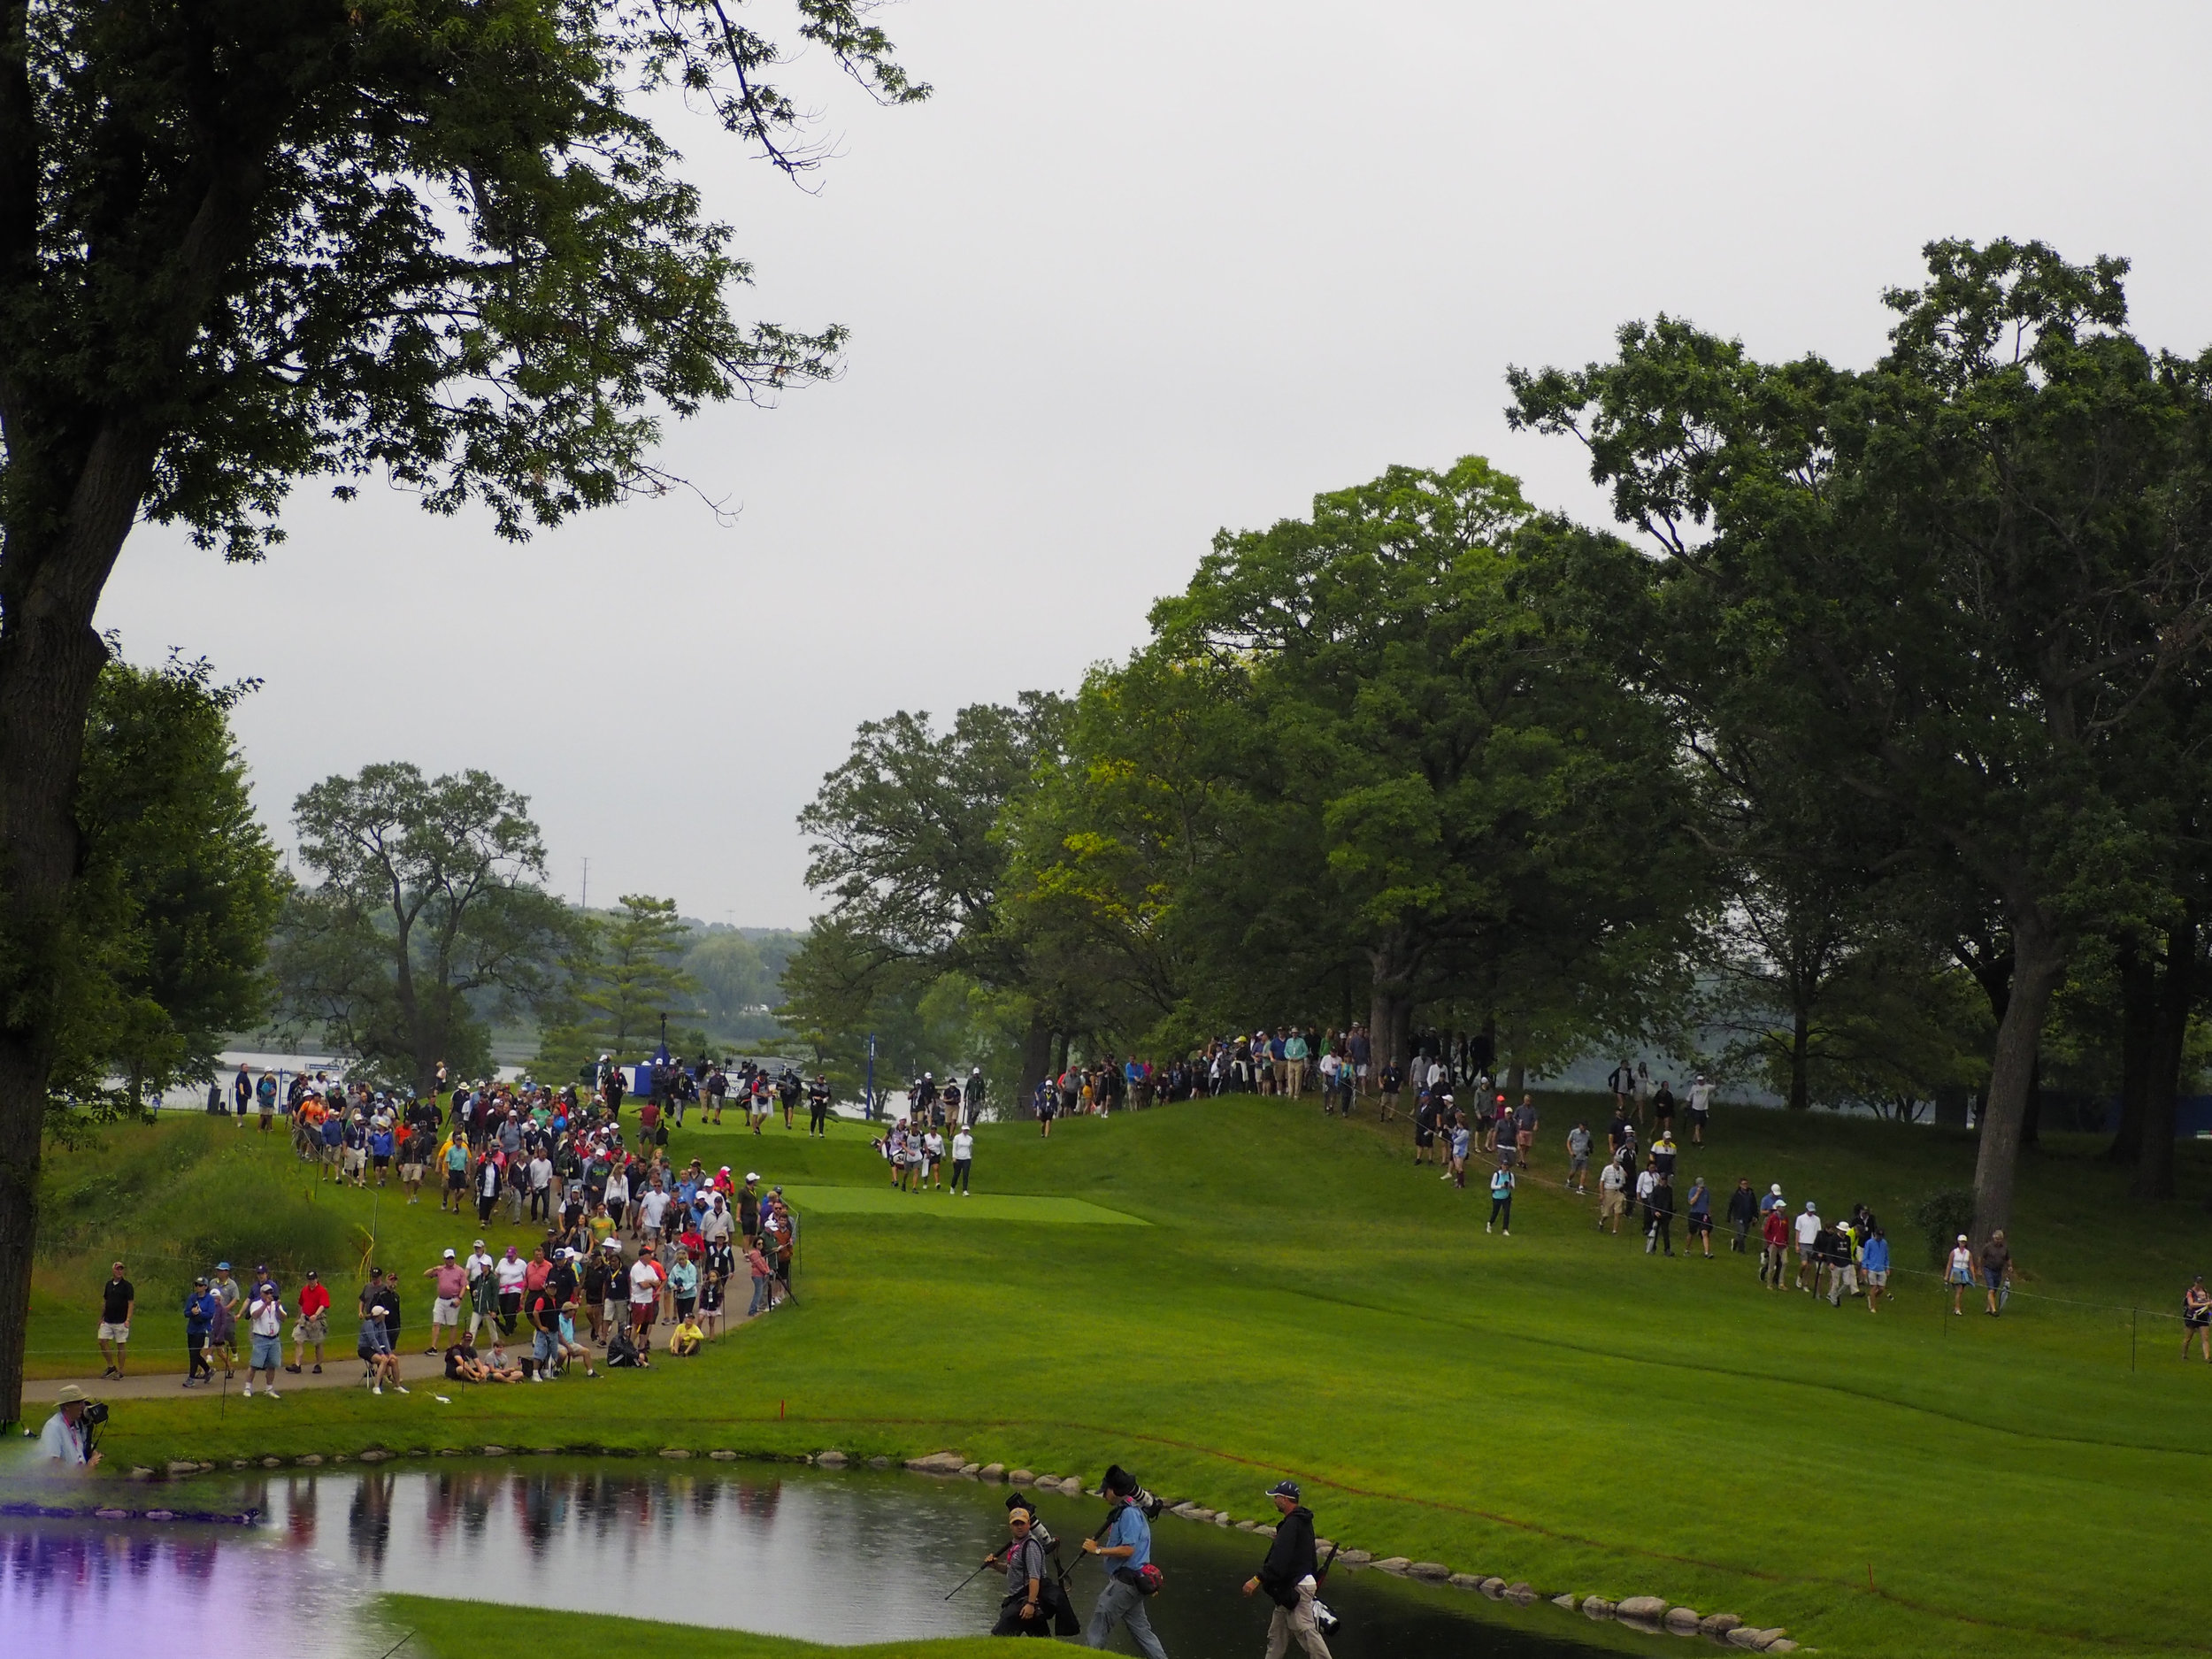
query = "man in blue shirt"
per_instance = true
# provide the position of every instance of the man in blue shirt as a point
(1127, 1549)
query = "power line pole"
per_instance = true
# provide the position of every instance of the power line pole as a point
(584, 903)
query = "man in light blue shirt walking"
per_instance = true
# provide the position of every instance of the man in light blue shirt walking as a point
(1125, 1552)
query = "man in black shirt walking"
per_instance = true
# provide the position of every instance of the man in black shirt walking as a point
(1290, 1575)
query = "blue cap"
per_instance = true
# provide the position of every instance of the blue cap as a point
(1285, 1489)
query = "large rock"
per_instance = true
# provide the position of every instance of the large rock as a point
(180, 1467)
(1052, 1481)
(831, 1460)
(1597, 1606)
(1566, 1600)
(1465, 1581)
(273, 1462)
(1022, 1477)
(1493, 1587)
(310, 1460)
(991, 1471)
(374, 1456)
(971, 1469)
(1757, 1641)
(674, 1451)
(1682, 1620)
(1520, 1594)
(1265, 1531)
(878, 1463)
(1355, 1557)
(1072, 1486)
(1650, 1607)
(1718, 1625)
(1435, 1570)
(936, 1464)
(492, 1451)
(1392, 1564)
(723, 1457)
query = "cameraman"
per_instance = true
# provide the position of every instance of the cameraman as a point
(1127, 1552)
(67, 1437)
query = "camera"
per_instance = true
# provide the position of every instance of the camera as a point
(95, 1413)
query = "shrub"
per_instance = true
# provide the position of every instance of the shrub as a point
(1942, 1216)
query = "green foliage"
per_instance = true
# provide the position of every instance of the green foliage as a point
(178, 892)
(1941, 1217)
(618, 987)
(426, 907)
(740, 979)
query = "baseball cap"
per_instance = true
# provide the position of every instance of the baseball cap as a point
(479, 1244)
(1776, 1189)
(222, 1267)
(1285, 1489)
(752, 1175)
(1810, 1206)
(448, 1255)
(1961, 1238)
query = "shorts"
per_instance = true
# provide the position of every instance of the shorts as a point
(1424, 1138)
(1994, 1281)
(382, 1160)
(115, 1332)
(445, 1311)
(1579, 1163)
(1879, 1280)
(268, 1352)
(1362, 1069)
(1609, 1202)
(1525, 1138)
(410, 1173)
(617, 1312)
(457, 1180)
(1701, 1225)
(315, 1331)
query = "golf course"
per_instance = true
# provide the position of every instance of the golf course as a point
(1220, 1293)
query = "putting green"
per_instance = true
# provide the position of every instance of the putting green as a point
(888, 1201)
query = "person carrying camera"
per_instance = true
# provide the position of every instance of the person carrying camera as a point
(1022, 1610)
(66, 1440)
(1290, 1577)
(1125, 1552)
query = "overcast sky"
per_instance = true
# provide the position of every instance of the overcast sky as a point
(1140, 270)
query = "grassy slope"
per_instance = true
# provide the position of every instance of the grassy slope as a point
(1556, 1407)
(472, 1630)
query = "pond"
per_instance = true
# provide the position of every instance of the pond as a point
(843, 1558)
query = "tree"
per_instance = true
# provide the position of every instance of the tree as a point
(620, 984)
(1948, 583)
(426, 903)
(904, 838)
(1438, 780)
(178, 891)
(241, 246)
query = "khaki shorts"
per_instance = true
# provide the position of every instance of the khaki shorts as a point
(114, 1332)
(1609, 1202)
(410, 1173)
(314, 1332)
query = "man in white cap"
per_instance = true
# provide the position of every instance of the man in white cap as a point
(1807, 1228)
(63, 1439)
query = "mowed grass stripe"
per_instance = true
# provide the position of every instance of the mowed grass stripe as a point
(944, 1206)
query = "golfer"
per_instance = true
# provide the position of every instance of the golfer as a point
(1958, 1271)
(1289, 1576)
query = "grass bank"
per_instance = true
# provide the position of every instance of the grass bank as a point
(1555, 1407)
(479, 1630)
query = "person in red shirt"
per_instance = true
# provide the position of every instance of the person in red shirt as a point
(1776, 1234)
(313, 1326)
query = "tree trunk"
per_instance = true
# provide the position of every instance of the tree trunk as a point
(2038, 966)
(1390, 1019)
(1515, 1083)
(49, 661)
(1036, 1056)
(1801, 1051)
(2177, 992)
(2139, 1016)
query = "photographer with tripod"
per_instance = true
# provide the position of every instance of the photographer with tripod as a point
(69, 1437)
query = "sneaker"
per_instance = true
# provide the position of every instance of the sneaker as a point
(109, 1372)
(294, 1371)
(376, 1388)
(273, 1393)
(1486, 1226)
(319, 1370)
(249, 1393)
(399, 1388)
(1509, 1233)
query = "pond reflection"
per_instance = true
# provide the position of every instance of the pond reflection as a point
(845, 1558)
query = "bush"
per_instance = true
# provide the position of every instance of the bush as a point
(1942, 1217)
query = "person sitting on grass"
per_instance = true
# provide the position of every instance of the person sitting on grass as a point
(375, 1344)
(499, 1368)
(687, 1336)
(461, 1362)
(623, 1352)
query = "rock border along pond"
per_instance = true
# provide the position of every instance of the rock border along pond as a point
(1652, 1614)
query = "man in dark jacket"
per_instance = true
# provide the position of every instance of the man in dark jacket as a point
(1290, 1575)
(1743, 1211)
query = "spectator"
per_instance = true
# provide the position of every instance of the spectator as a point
(313, 1329)
(118, 1299)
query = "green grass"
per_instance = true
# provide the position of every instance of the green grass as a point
(476, 1630)
(947, 1206)
(1556, 1407)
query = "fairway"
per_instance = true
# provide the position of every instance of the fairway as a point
(888, 1201)
(1557, 1406)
